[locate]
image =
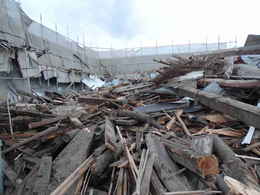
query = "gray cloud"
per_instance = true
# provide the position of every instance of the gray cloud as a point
(116, 17)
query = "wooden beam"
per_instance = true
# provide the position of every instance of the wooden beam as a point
(70, 158)
(39, 135)
(45, 122)
(233, 166)
(246, 113)
(241, 84)
(43, 176)
(165, 167)
(196, 161)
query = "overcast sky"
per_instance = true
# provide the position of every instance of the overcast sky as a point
(130, 23)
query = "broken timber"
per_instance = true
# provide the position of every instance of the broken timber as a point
(197, 162)
(47, 132)
(244, 112)
(43, 176)
(71, 157)
(241, 84)
(233, 166)
(165, 167)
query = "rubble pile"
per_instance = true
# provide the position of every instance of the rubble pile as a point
(172, 135)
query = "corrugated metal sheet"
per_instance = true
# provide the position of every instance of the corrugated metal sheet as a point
(63, 77)
(11, 25)
(58, 58)
(4, 60)
(28, 65)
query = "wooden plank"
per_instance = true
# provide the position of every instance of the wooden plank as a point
(157, 187)
(110, 135)
(47, 132)
(165, 167)
(70, 158)
(43, 176)
(246, 113)
(44, 122)
(146, 180)
(95, 101)
(66, 185)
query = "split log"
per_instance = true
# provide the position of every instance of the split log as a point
(233, 166)
(244, 112)
(241, 84)
(165, 167)
(199, 163)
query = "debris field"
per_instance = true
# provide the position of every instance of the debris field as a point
(191, 130)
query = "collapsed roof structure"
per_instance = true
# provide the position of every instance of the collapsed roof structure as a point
(30, 50)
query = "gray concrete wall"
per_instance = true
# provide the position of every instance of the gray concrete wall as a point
(130, 65)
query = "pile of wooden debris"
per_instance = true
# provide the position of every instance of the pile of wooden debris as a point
(170, 136)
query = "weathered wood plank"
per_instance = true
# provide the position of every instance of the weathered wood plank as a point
(44, 122)
(199, 163)
(241, 84)
(233, 166)
(46, 132)
(246, 113)
(70, 158)
(43, 176)
(110, 135)
(146, 180)
(165, 167)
